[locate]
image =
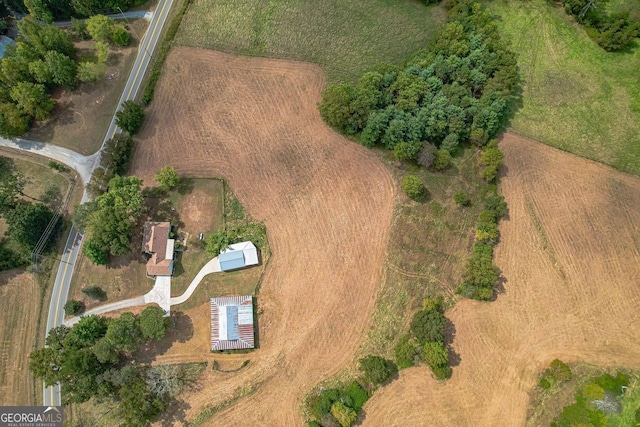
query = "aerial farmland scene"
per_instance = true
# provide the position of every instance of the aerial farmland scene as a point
(324, 213)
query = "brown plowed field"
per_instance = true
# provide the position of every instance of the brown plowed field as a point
(569, 251)
(327, 204)
(19, 305)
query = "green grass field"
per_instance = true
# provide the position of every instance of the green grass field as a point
(576, 96)
(345, 37)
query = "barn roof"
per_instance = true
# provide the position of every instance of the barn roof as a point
(232, 323)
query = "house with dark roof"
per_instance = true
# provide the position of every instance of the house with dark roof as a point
(159, 247)
(232, 323)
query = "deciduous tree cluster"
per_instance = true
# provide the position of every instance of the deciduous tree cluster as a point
(93, 359)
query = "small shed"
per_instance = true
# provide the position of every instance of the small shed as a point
(238, 255)
(232, 323)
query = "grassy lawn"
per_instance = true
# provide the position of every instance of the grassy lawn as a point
(428, 246)
(208, 207)
(200, 211)
(345, 37)
(81, 118)
(576, 96)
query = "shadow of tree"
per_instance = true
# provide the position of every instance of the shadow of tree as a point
(180, 330)
(175, 414)
(449, 337)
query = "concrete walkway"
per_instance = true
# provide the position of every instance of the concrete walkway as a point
(84, 165)
(160, 294)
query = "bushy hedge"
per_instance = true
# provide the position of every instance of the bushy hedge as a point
(481, 274)
(557, 372)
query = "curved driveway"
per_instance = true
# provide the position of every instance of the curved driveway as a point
(160, 294)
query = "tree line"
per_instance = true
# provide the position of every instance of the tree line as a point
(94, 358)
(612, 31)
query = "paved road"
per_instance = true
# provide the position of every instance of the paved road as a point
(51, 395)
(84, 165)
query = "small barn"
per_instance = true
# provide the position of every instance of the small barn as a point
(238, 255)
(232, 323)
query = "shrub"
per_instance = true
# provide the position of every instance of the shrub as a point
(461, 198)
(345, 415)
(428, 325)
(376, 370)
(491, 158)
(450, 143)
(356, 394)
(73, 307)
(120, 36)
(435, 354)
(544, 383)
(486, 228)
(95, 253)
(320, 404)
(103, 51)
(593, 391)
(80, 28)
(407, 150)
(405, 352)
(442, 372)
(495, 204)
(95, 293)
(56, 166)
(413, 187)
(560, 370)
(89, 72)
(442, 160)
(130, 117)
(427, 155)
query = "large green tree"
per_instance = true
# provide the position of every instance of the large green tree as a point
(27, 223)
(130, 117)
(114, 215)
(153, 324)
(33, 99)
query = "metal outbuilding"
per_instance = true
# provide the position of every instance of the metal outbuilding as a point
(238, 255)
(232, 323)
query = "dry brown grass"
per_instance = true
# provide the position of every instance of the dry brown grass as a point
(326, 202)
(19, 305)
(573, 297)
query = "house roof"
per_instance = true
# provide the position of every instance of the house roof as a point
(232, 323)
(155, 241)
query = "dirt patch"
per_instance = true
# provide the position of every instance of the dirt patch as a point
(19, 305)
(569, 253)
(327, 205)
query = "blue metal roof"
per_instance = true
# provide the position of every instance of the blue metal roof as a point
(231, 260)
(232, 322)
